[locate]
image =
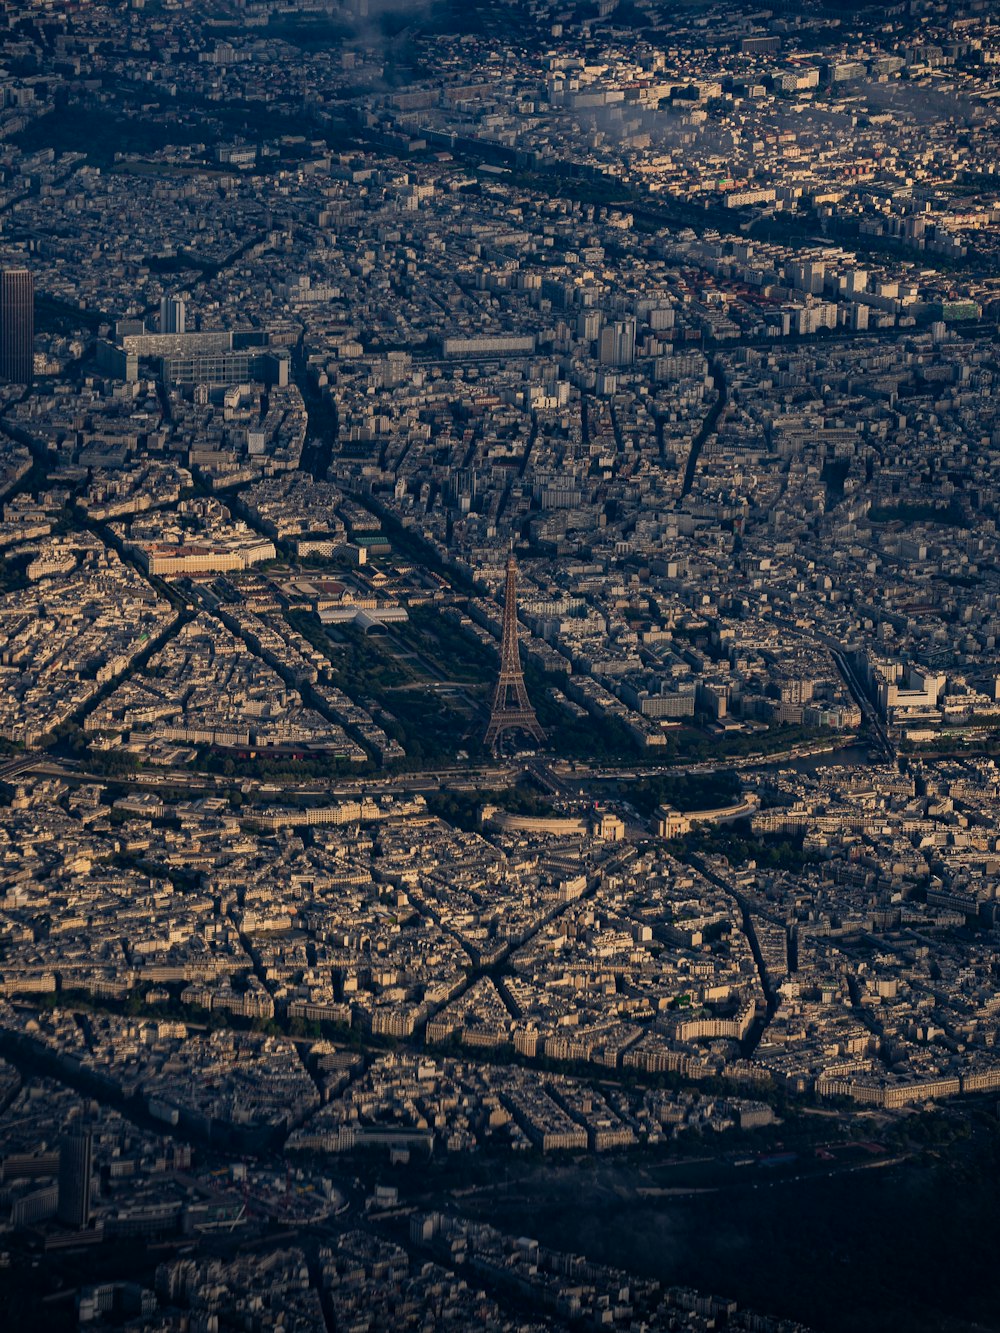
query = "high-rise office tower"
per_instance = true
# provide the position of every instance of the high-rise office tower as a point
(172, 314)
(17, 325)
(76, 1163)
(617, 344)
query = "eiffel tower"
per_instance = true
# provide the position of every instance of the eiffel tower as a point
(511, 710)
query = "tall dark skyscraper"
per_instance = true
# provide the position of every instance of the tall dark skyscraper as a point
(76, 1162)
(17, 325)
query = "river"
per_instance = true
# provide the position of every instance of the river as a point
(856, 756)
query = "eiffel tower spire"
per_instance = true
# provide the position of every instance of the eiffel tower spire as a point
(511, 710)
